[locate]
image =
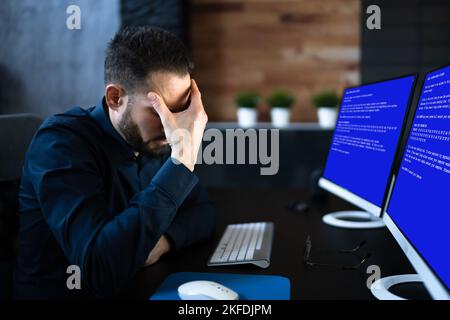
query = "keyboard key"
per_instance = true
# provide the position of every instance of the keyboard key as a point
(252, 246)
(230, 245)
(245, 243)
(262, 228)
(223, 244)
(237, 245)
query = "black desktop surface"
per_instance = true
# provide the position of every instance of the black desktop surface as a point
(291, 231)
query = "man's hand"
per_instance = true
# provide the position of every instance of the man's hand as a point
(183, 130)
(161, 247)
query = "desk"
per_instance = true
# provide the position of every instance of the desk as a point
(291, 230)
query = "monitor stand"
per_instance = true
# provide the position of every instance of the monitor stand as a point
(349, 220)
(380, 288)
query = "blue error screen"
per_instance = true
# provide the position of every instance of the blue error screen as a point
(366, 136)
(420, 205)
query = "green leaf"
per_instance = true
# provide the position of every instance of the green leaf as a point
(247, 99)
(281, 99)
(326, 98)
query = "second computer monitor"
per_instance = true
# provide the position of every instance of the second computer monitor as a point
(365, 140)
(418, 210)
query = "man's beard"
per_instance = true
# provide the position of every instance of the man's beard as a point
(132, 136)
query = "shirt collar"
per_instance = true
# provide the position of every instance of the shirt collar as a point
(101, 116)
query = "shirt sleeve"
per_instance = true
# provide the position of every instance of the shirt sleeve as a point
(108, 247)
(194, 221)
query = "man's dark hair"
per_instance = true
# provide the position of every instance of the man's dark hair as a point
(135, 52)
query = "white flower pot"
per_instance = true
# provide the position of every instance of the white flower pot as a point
(327, 117)
(246, 117)
(280, 116)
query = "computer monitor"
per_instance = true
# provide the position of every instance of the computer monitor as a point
(418, 211)
(367, 133)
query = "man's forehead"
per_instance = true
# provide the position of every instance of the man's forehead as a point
(173, 88)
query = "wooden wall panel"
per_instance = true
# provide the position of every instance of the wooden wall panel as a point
(300, 45)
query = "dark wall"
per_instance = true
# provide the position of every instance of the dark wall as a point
(46, 68)
(415, 37)
(170, 15)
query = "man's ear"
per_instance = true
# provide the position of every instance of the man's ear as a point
(114, 96)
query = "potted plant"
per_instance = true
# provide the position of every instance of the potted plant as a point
(247, 102)
(280, 102)
(326, 103)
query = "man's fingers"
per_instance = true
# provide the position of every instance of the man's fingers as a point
(195, 92)
(159, 106)
(196, 97)
(194, 87)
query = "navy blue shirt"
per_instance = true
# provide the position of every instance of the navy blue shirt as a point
(86, 199)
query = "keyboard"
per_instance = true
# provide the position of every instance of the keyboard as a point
(244, 243)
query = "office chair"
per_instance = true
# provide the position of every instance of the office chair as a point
(16, 132)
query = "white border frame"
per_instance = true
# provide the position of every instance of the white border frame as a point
(350, 197)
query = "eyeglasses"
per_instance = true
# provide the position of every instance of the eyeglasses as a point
(309, 263)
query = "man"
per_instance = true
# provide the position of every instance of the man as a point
(99, 189)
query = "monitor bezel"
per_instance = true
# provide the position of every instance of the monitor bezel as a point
(350, 196)
(433, 282)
